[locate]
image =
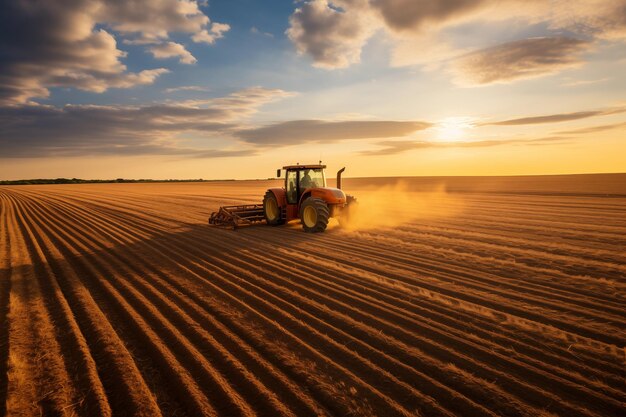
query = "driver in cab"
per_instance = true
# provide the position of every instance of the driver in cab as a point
(306, 181)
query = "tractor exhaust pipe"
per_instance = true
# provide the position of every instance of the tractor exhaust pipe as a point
(339, 177)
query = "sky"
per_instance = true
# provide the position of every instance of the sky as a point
(237, 88)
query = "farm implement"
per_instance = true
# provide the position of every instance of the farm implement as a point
(304, 197)
(236, 216)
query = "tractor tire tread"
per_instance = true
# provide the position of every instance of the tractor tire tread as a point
(323, 214)
(279, 220)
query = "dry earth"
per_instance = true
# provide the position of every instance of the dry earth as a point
(477, 297)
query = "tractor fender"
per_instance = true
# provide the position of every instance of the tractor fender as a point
(329, 194)
(281, 196)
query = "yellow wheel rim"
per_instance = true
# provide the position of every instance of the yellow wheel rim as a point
(309, 216)
(271, 209)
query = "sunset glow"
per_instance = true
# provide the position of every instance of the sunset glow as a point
(220, 89)
(453, 129)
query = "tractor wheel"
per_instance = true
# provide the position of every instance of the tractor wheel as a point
(314, 215)
(349, 212)
(271, 209)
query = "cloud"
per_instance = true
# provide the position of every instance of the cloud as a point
(254, 30)
(75, 130)
(70, 43)
(594, 129)
(186, 88)
(577, 83)
(219, 153)
(396, 147)
(603, 19)
(248, 100)
(332, 36)
(334, 32)
(210, 36)
(155, 19)
(409, 15)
(306, 131)
(172, 49)
(555, 118)
(393, 147)
(28, 131)
(152, 18)
(527, 58)
(426, 33)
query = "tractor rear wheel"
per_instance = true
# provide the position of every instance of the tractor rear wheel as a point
(271, 209)
(314, 215)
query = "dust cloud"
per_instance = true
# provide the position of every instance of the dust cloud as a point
(395, 205)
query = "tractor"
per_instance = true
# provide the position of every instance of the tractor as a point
(304, 196)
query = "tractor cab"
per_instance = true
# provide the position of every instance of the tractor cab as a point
(299, 178)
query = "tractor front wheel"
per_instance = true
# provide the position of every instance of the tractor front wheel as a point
(271, 209)
(314, 215)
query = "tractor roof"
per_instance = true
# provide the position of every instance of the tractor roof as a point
(304, 166)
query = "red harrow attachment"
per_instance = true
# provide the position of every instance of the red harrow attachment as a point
(236, 216)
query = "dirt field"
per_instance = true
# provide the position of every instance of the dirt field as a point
(119, 299)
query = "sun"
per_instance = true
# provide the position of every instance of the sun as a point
(453, 129)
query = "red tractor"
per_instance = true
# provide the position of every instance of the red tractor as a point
(304, 196)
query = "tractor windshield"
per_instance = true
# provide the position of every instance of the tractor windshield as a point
(310, 178)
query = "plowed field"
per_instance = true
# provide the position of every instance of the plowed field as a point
(119, 299)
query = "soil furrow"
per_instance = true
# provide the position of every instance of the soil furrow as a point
(5, 292)
(118, 299)
(114, 363)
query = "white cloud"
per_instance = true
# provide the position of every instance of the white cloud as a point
(604, 19)
(210, 36)
(59, 44)
(256, 31)
(76, 130)
(311, 131)
(333, 34)
(186, 88)
(527, 58)
(577, 83)
(153, 19)
(172, 50)
(408, 15)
